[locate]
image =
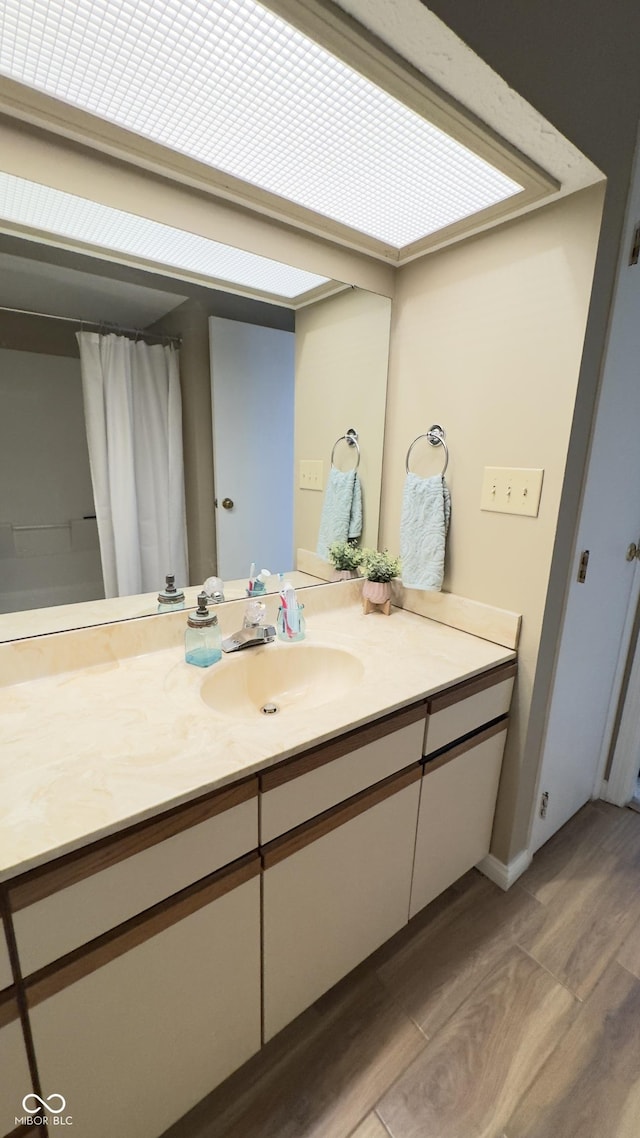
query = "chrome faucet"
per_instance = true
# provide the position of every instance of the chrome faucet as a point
(253, 631)
(214, 587)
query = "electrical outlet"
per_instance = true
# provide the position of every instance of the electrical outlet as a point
(511, 491)
(311, 475)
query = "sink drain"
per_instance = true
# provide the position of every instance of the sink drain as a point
(269, 709)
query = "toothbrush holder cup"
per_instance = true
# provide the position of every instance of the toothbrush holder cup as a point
(288, 629)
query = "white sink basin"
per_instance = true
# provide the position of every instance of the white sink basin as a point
(285, 676)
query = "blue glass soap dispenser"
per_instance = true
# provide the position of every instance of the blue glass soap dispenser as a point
(202, 639)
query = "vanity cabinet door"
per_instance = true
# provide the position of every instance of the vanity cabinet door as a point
(305, 786)
(15, 1080)
(457, 804)
(137, 1030)
(333, 891)
(467, 706)
(80, 896)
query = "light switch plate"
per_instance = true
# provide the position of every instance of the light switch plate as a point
(508, 490)
(311, 474)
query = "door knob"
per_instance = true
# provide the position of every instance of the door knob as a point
(633, 551)
(227, 503)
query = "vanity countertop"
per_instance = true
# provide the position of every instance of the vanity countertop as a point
(86, 753)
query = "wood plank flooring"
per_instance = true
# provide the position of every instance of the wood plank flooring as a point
(492, 1015)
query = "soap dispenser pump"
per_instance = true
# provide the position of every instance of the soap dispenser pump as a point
(202, 640)
(170, 599)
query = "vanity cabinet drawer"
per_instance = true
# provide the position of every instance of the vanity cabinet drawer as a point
(313, 782)
(334, 891)
(15, 1079)
(467, 706)
(82, 895)
(142, 1026)
(6, 975)
(457, 805)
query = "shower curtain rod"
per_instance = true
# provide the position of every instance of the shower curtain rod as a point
(102, 325)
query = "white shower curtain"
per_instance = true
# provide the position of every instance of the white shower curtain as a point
(133, 417)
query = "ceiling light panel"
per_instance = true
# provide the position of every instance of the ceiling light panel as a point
(77, 219)
(233, 85)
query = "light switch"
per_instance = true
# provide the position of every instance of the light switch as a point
(511, 491)
(311, 474)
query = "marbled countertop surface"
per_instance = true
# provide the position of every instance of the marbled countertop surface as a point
(85, 753)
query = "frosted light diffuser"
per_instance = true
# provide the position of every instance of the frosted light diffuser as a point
(78, 219)
(231, 84)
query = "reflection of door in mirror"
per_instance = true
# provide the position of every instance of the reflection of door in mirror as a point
(252, 395)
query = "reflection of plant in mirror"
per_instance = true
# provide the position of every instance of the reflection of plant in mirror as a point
(345, 556)
(378, 566)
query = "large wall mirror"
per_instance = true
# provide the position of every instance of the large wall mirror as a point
(287, 380)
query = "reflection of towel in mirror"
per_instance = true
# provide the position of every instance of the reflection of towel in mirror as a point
(341, 518)
(426, 509)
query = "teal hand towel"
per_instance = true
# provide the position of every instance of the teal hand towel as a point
(426, 509)
(341, 518)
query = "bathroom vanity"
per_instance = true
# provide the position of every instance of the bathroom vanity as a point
(182, 876)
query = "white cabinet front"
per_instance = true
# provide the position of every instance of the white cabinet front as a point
(286, 804)
(138, 1041)
(15, 1080)
(104, 896)
(330, 903)
(457, 804)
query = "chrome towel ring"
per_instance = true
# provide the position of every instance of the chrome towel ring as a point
(351, 438)
(436, 436)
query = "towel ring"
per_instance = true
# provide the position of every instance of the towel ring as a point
(351, 437)
(436, 436)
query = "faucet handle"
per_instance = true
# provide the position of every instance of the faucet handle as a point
(254, 614)
(214, 588)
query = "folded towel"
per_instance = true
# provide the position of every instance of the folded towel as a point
(426, 509)
(341, 518)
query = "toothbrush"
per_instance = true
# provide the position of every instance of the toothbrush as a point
(284, 602)
(290, 604)
(252, 574)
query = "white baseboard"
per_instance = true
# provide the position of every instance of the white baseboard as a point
(505, 873)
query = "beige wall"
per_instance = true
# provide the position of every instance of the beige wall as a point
(342, 347)
(487, 340)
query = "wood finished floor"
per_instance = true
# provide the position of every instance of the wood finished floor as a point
(492, 1015)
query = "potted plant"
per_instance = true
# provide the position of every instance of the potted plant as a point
(378, 569)
(345, 558)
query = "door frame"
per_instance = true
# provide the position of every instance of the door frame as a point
(622, 737)
(611, 776)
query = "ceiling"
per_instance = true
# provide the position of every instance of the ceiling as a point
(438, 65)
(416, 34)
(288, 111)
